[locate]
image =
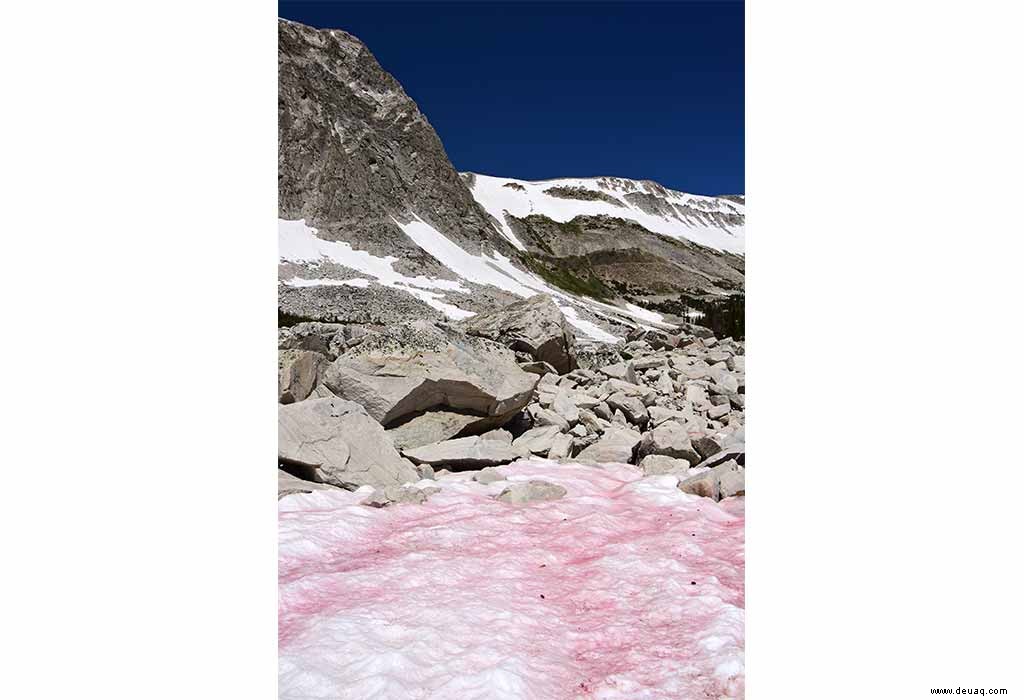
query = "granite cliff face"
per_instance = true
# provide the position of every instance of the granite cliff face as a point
(354, 151)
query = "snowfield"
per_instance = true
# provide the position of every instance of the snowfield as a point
(298, 243)
(692, 220)
(624, 588)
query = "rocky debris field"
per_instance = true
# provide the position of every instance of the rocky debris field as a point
(489, 509)
(386, 405)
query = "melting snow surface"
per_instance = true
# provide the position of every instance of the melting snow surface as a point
(492, 194)
(624, 588)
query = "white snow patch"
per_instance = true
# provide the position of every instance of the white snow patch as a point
(298, 243)
(644, 314)
(490, 192)
(495, 270)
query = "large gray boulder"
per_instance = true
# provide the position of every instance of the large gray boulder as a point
(652, 465)
(536, 441)
(616, 445)
(335, 442)
(535, 326)
(670, 439)
(298, 372)
(632, 407)
(430, 427)
(469, 452)
(716, 483)
(413, 367)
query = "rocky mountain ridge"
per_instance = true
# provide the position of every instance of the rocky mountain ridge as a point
(376, 226)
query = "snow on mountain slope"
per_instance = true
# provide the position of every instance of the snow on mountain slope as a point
(299, 243)
(624, 588)
(715, 222)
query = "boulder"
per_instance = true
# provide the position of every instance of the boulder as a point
(662, 464)
(429, 427)
(664, 384)
(532, 490)
(564, 406)
(488, 475)
(616, 445)
(716, 412)
(535, 326)
(537, 441)
(660, 414)
(706, 446)
(709, 483)
(414, 367)
(732, 483)
(561, 447)
(468, 452)
(498, 435)
(335, 442)
(540, 368)
(632, 407)
(620, 371)
(546, 416)
(311, 335)
(670, 439)
(298, 374)
(398, 494)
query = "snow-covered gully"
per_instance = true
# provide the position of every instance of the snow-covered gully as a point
(624, 588)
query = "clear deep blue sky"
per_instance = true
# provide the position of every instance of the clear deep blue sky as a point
(536, 90)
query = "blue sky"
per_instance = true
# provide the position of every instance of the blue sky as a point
(536, 90)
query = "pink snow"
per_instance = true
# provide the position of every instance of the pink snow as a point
(624, 588)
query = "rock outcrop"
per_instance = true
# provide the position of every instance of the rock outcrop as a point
(534, 326)
(416, 367)
(335, 442)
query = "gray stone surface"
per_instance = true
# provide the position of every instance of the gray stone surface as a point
(298, 373)
(468, 452)
(535, 326)
(670, 439)
(632, 407)
(561, 447)
(709, 483)
(488, 475)
(661, 464)
(537, 441)
(337, 443)
(288, 485)
(616, 445)
(415, 367)
(530, 491)
(430, 426)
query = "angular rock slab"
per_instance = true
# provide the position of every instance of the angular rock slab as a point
(339, 444)
(298, 373)
(394, 382)
(430, 427)
(716, 483)
(469, 452)
(616, 445)
(535, 326)
(532, 490)
(670, 439)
